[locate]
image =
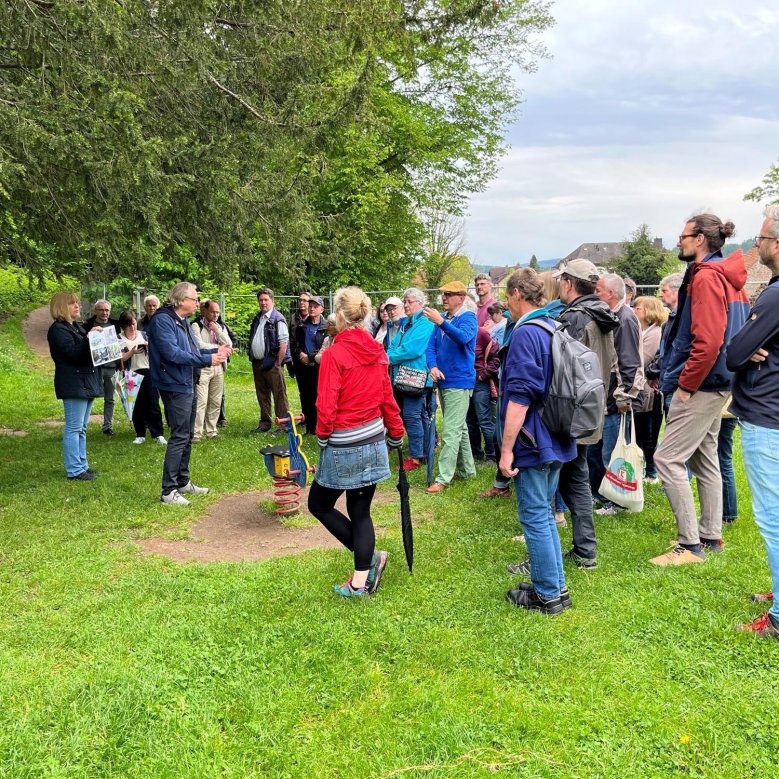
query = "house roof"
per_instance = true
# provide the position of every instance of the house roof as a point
(597, 253)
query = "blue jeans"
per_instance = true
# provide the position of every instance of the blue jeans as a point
(535, 492)
(415, 419)
(74, 438)
(725, 456)
(760, 447)
(481, 421)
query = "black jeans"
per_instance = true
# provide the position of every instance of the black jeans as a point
(180, 410)
(307, 377)
(146, 413)
(356, 533)
(648, 424)
(574, 486)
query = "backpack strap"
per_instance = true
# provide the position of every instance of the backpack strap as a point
(551, 329)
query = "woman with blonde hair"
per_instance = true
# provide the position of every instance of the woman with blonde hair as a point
(552, 293)
(354, 405)
(651, 314)
(76, 381)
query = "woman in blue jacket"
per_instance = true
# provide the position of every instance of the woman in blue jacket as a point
(76, 381)
(409, 348)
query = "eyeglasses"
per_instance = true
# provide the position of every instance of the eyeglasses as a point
(452, 294)
(196, 300)
(759, 238)
(687, 235)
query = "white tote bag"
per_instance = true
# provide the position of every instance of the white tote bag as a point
(623, 483)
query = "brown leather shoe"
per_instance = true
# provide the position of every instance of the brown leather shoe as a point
(496, 492)
(435, 488)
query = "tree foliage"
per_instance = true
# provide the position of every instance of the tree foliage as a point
(534, 263)
(271, 140)
(769, 189)
(642, 260)
(442, 250)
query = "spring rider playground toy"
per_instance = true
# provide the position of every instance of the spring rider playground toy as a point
(288, 467)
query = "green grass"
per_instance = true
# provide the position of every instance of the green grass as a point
(113, 664)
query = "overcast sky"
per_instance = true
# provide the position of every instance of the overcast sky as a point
(647, 112)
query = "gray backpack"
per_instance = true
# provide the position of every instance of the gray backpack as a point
(576, 399)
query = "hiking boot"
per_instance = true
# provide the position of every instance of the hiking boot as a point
(411, 464)
(531, 600)
(588, 563)
(763, 626)
(519, 569)
(378, 565)
(86, 475)
(713, 545)
(761, 597)
(679, 556)
(346, 590)
(496, 492)
(175, 499)
(192, 489)
(565, 595)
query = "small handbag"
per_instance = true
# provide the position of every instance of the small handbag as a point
(410, 381)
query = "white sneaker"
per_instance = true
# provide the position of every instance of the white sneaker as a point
(608, 511)
(175, 499)
(139, 440)
(160, 439)
(193, 489)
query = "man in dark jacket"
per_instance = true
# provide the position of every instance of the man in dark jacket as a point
(174, 355)
(592, 322)
(268, 354)
(309, 336)
(530, 453)
(102, 318)
(753, 356)
(626, 380)
(712, 307)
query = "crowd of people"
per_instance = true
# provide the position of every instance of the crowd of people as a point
(689, 366)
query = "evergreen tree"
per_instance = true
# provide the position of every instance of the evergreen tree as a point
(534, 263)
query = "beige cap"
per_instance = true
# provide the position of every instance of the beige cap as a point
(579, 269)
(393, 301)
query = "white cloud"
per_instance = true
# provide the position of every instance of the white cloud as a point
(646, 113)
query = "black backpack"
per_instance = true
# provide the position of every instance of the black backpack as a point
(576, 399)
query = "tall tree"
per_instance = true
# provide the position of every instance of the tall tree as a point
(642, 260)
(442, 248)
(272, 140)
(533, 263)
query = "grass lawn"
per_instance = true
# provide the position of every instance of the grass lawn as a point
(113, 664)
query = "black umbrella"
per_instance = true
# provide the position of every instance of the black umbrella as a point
(430, 445)
(405, 513)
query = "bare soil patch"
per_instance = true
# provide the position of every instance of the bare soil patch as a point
(11, 432)
(238, 529)
(96, 419)
(34, 328)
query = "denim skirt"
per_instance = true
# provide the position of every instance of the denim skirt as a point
(352, 467)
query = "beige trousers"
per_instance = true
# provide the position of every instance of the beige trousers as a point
(209, 400)
(690, 436)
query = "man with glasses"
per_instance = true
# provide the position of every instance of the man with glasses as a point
(753, 356)
(102, 318)
(174, 357)
(712, 306)
(451, 359)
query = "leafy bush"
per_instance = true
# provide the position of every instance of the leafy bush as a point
(18, 290)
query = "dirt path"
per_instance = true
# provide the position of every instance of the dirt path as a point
(237, 529)
(34, 328)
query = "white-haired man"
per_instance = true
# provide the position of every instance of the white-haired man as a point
(102, 318)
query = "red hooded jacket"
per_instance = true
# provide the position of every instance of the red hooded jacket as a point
(354, 386)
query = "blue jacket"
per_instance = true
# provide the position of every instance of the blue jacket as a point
(712, 308)
(452, 349)
(409, 347)
(525, 378)
(174, 352)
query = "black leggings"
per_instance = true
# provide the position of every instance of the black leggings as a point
(355, 533)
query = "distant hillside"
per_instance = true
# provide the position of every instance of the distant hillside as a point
(541, 264)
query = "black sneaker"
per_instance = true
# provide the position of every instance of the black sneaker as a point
(588, 563)
(83, 476)
(713, 545)
(531, 600)
(519, 569)
(108, 431)
(565, 595)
